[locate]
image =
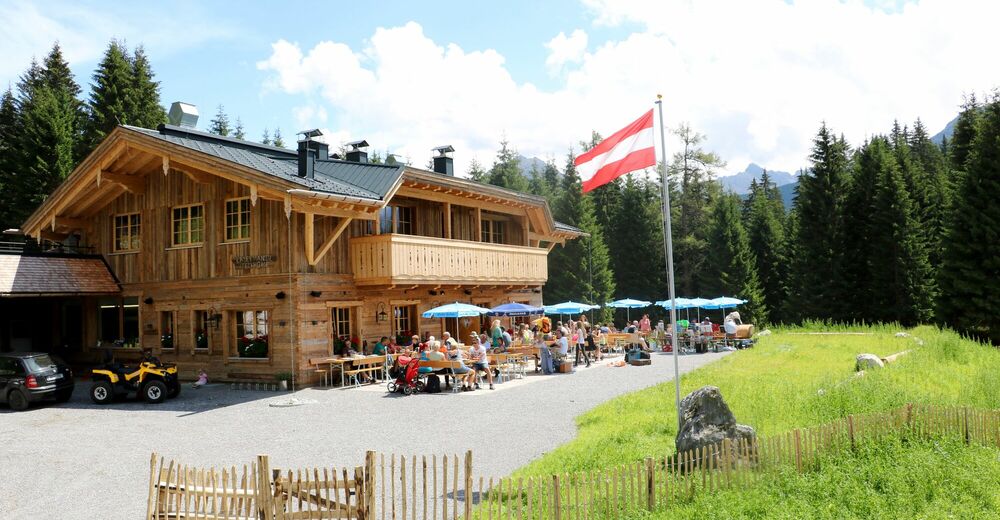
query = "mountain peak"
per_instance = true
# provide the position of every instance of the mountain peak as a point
(754, 169)
(740, 182)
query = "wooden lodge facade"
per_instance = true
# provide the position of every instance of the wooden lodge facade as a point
(247, 260)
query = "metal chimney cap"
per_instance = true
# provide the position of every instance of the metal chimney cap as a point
(443, 151)
(356, 145)
(183, 114)
(309, 134)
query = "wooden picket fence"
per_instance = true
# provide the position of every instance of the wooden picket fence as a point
(396, 487)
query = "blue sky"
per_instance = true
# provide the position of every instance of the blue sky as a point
(756, 77)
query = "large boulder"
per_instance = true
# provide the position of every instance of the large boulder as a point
(706, 420)
(867, 361)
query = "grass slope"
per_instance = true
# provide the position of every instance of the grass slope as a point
(794, 379)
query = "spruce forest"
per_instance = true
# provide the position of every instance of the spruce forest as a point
(894, 229)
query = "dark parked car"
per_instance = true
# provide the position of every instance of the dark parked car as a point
(28, 377)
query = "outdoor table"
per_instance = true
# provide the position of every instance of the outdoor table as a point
(342, 361)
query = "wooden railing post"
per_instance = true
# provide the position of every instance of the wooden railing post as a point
(965, 423)
(264, 497)
(468, 483)
(154, 484)
(850, 429)
(798, 450)
(370, 483)
(359, 490)
(650, 485)
(556, 503)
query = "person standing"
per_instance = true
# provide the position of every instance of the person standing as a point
(496, 335)
(644, 325)
(581, 342)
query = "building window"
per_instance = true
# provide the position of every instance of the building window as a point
(494, 231)
(403, 322)
(167, 330)
(342, 326)
(404, 220)
(251, 333)
(201, 323)
(119, 321)
(127, 232)
(385, 220)
(189, 225)
(237, 219)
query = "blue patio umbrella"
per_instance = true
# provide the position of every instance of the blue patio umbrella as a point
(570, 307)
(455, 310)
(682, 304)
(723, 302)
(628, 303)
(515, 309)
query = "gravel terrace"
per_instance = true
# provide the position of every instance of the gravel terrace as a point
(79, 460)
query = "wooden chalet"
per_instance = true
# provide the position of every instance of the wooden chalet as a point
(248, 260)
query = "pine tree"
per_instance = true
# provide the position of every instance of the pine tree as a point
(579, 270)
(730, 267)
(901, 285)
(819, 208)
(278, 141)
(266, 137)
(239, 132)
(857, 250)
(110, 95)
(970, 272)
(932, 208)
(219, 125)
(144, 108)
(964, 133)
(476, 171)
(692, 171)
(638, 241)
(506, 170)
(766, 234)
(8, 153)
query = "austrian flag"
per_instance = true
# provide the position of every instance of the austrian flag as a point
(628, 150)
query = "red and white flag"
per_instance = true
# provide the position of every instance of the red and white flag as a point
(628, 150)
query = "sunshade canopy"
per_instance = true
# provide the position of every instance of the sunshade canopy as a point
(455, 310)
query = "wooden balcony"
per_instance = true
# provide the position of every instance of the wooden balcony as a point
(405, 259)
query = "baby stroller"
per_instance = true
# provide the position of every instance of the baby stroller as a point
(405, 374)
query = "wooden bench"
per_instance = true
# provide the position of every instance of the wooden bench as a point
(444, 364)
(321, 368)
(371, 365)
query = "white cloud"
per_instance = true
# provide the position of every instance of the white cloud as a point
(757, 78)
(566, 49)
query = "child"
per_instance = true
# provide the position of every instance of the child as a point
(202, 379)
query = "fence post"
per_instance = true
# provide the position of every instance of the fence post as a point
(359, 490)
(370, 482)
(965, 422)
(650, 485)
(468, 483)
(798, 450)
(264, 498)
(154, 484)
(556, 506)
(850, 429)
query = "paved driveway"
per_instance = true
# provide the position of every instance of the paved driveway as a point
(82, 461)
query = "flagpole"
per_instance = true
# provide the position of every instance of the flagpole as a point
(668, 252)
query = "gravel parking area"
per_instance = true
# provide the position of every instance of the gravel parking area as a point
(79, 460)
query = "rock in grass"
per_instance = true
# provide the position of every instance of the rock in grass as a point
(706, 420)
(866, 361)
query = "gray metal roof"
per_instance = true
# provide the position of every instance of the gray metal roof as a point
(362, 180)
(566, 227)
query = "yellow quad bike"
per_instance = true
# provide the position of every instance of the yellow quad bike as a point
(150, 380)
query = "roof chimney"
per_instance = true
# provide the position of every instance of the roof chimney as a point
(310, 151)
(183, 114)
(355, 152)
(443, 162)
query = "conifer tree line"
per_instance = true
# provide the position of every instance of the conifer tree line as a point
(47, 126)
(899, 229)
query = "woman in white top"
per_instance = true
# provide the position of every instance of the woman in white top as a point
(581, 342)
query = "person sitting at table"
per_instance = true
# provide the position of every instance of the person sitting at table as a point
(446, 339)
(563, 340)
(631, 328)
(480, 363)
(544, 354)
(380, 349)
(462, 372)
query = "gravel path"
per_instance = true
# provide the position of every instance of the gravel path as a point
(82, 461)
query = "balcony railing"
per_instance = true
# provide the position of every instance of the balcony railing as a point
(393, 259)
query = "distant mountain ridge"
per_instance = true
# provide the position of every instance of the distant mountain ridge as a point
(740, 183)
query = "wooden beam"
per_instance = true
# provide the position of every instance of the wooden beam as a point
(310, 238)
(334, 235)
(471, 202)
(196, 176)
(478, 228)
(369, 213)
(524, 226)
(447, 220)
(552, 245)
(135, 185)
(67, 222)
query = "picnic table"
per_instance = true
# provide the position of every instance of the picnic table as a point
(342, 363)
